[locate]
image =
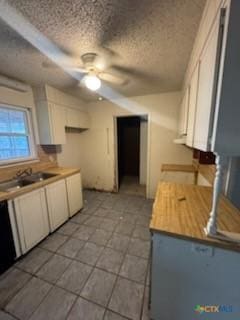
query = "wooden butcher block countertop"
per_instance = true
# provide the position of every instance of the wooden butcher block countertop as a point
(179, 167)
(182, 211)
(61, 173)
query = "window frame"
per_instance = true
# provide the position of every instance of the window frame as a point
(30, 135)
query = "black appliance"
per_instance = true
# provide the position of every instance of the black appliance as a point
(7, 247)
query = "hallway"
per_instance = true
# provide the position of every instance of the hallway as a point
(130, 186)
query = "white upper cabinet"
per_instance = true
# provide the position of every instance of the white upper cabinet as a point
(77, 119)
(51, 123)
(58, 120)
(184, 114)
(55, 112)
(208, 71)
(226, 127)
(213, 81)
(193, 91)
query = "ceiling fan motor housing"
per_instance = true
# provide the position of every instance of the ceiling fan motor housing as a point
(88, 60)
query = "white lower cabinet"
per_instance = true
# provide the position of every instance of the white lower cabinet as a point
(37, 213)
(57, 203)
(74, 191)
(32, 218)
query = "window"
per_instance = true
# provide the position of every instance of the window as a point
(16, 141)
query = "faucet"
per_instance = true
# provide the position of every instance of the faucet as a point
(24, 173)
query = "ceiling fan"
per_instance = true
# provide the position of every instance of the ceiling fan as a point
(93, 67)
(92, 70)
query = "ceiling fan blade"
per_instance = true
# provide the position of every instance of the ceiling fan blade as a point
(49, 65)
(112, 78)
(135, 73)
(52, 65)
(81, 83)
(127, 70)
(77, 69)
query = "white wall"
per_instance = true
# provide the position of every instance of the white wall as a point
(69, 154)
(16, 98)
(97, 158)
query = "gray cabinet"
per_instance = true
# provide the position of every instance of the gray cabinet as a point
(185, 274)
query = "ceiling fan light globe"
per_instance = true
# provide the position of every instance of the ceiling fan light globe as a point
(92, 82)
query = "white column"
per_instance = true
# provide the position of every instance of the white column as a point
(221, 163)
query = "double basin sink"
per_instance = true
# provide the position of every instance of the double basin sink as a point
(15, 184)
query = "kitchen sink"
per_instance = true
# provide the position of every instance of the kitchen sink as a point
(40, 176)
(13, 185)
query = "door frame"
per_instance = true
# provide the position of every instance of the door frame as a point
(116, 178)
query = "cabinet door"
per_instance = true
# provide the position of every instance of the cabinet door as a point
(84, 121)
(208, 68)
(32, 218)
(72, 118)
(74, 191)
(58, 122)
(193, 91)
(57, 203)
(184, 114)
(77, 119)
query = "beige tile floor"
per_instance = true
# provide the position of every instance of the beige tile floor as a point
(95, 267)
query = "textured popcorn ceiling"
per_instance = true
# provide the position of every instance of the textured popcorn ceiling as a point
(152, 38)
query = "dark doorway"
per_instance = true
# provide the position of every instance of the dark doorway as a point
(128, 132)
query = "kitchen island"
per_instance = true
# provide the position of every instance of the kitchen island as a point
(190, 270)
